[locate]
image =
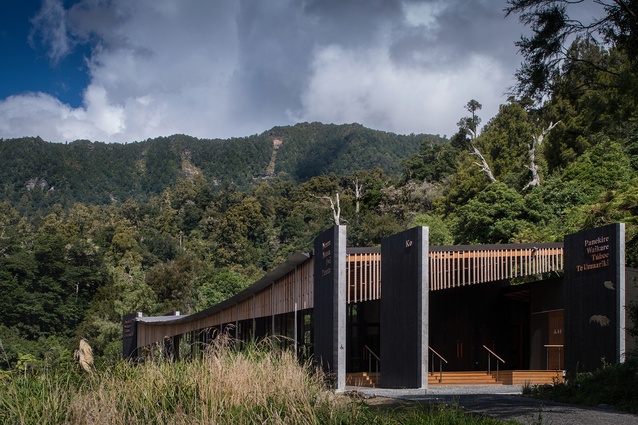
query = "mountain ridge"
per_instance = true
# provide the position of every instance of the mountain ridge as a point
(35, 173)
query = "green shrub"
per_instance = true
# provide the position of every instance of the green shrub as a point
(615, 385)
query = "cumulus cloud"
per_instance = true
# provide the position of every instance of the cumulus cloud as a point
(368, 88)
(224, 69)
(42, 114)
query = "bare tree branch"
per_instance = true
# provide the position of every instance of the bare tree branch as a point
(484, 165)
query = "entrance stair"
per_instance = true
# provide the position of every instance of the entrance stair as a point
(530, 377)
(363, 379)
(463, 378)
(505, 377)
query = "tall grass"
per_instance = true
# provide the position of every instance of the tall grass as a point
(224, 386)
(35, 399)
(255, 385)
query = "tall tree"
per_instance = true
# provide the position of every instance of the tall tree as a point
(590, 103)
(433, 162)
(504, 141)
(469, 126)
(553, 27)
(495, 215)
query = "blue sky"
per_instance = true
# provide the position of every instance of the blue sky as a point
(122, 70)
(26, 66)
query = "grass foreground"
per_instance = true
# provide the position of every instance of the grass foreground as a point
(224, 386)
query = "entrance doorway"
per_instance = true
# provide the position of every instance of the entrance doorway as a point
(555, 349)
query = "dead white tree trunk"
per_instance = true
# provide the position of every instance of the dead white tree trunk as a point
(358, 193)
(484, 165)
(537, 140)
(334, 206)
(336, 212)
(1, 238)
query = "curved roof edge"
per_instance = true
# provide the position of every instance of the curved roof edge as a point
(299, 258)
(278, 272)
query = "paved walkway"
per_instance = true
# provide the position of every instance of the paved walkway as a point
(503, 402)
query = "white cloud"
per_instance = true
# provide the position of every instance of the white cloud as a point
(105, 116)
(368, 88)
(38, 114)
(49, 25)
(224, 69)
(159, 70)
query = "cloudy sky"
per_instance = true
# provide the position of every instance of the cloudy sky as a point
(122, 70)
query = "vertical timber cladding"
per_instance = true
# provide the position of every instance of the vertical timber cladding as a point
(594, 298)
(329, 319)
(404, 309)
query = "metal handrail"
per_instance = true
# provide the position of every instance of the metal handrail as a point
(547, 347)
(439, 356)
(378, 360)
(494, 354)
(441, 360)
(489, 361)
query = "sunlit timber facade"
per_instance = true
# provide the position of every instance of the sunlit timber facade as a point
(289, 287)
(509, 299)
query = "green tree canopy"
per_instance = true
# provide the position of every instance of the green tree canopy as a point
(553, 26)
(495, 215)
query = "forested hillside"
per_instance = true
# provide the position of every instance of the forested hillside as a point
(35, 174)
(90, 232)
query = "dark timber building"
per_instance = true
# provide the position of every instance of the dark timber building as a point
(409, 311)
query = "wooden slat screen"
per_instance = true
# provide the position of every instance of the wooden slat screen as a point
(454, 268)
(363, 277)
(450, 267)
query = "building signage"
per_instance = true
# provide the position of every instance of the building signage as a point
(596, 254)
(128, 328)
(129, 333)
(326, 258)
(329, 314)
(594, 293)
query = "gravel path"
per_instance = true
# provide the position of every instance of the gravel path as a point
(503, 402)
